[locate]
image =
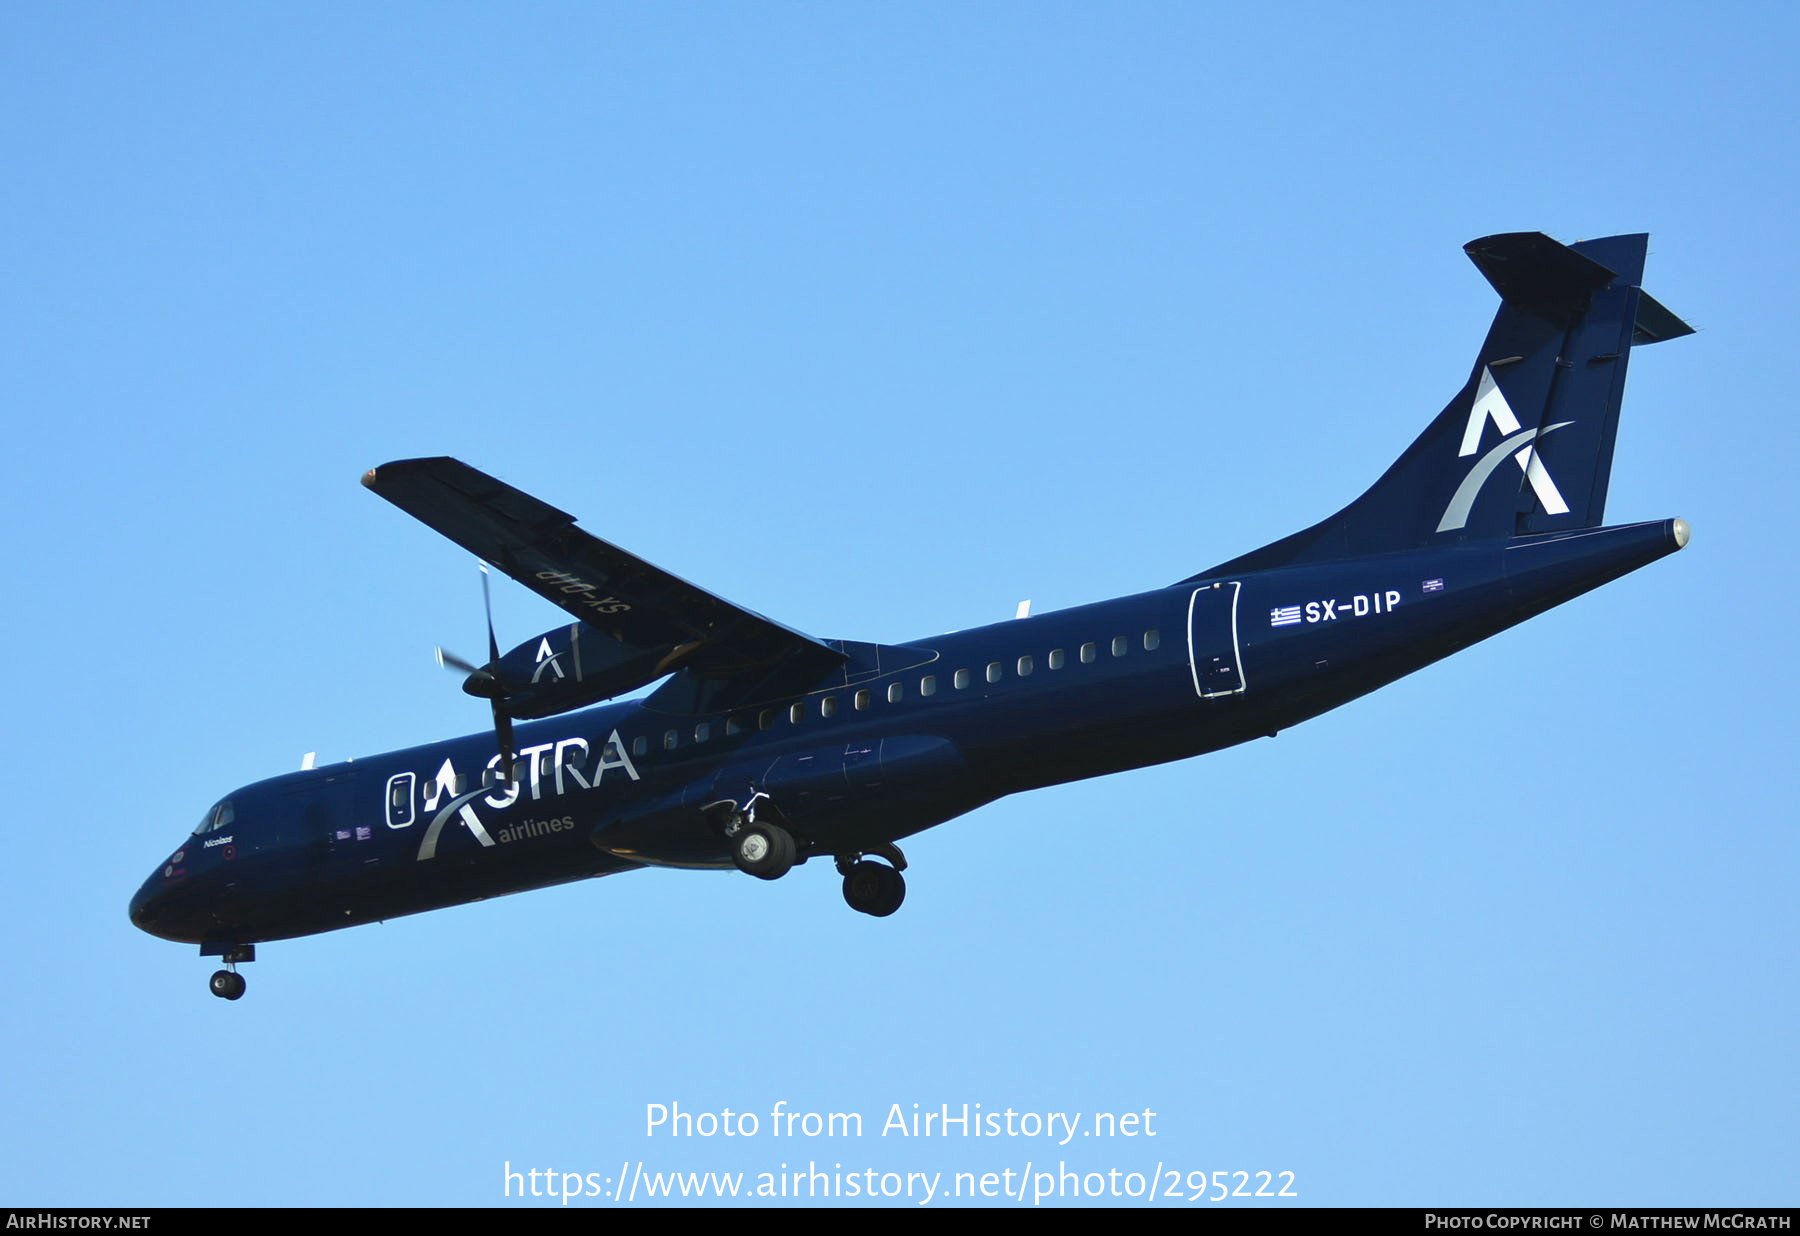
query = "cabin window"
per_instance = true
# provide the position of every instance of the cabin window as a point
(928, 685)
(862, 700)
(702, 731)
(994, 671)
(1088, 653)
(1120, 645)
(796, 713)
(765, 720)
(896, 692)
(640, 745)
(1025, 667)
(828, 706)
(1152, 640)
(570, 752)
(432, 790)
(733, 725)
(670, 739)
(400, 800)
(961, 680)
(1056, 658)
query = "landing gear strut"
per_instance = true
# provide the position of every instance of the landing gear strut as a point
(874, 888)
(228, 984)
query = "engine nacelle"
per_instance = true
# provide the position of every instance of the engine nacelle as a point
(561, 670)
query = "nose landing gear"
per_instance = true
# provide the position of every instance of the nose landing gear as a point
(228, 984)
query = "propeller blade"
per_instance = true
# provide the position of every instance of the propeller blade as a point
(481, 680)
(487, 603)
(503, 736)
(450, 661)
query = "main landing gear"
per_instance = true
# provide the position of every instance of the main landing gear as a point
(765, 850)
(228, 984)
(871, 887)
(768, 851)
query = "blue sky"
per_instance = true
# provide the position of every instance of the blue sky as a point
(878, 319)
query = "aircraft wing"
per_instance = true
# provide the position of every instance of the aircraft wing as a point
(615, 593)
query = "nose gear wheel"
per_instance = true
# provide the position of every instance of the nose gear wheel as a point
(226, 984)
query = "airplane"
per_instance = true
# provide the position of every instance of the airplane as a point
(764, 748)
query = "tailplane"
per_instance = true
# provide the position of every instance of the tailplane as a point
(1526, 446)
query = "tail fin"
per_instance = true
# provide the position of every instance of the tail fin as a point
(1526, 446)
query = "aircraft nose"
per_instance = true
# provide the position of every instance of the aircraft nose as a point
(164, 905)
(149, 906)
(143, 907)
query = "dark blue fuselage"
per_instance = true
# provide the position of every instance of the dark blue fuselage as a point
(897, 740)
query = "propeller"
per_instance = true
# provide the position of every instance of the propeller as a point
(484, 682)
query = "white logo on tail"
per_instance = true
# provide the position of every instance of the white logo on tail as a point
(1521, 444)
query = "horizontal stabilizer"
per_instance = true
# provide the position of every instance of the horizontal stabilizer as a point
(1655, 324)
(615, 594)
(1537, 274)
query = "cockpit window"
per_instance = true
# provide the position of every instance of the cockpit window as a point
(219, 817)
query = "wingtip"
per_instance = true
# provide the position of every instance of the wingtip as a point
(401, 468)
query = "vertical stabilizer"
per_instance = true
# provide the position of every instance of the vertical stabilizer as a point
(1526, 446)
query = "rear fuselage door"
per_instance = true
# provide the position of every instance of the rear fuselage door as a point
(1213, 640)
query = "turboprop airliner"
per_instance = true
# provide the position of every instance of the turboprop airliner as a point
(763, 748)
